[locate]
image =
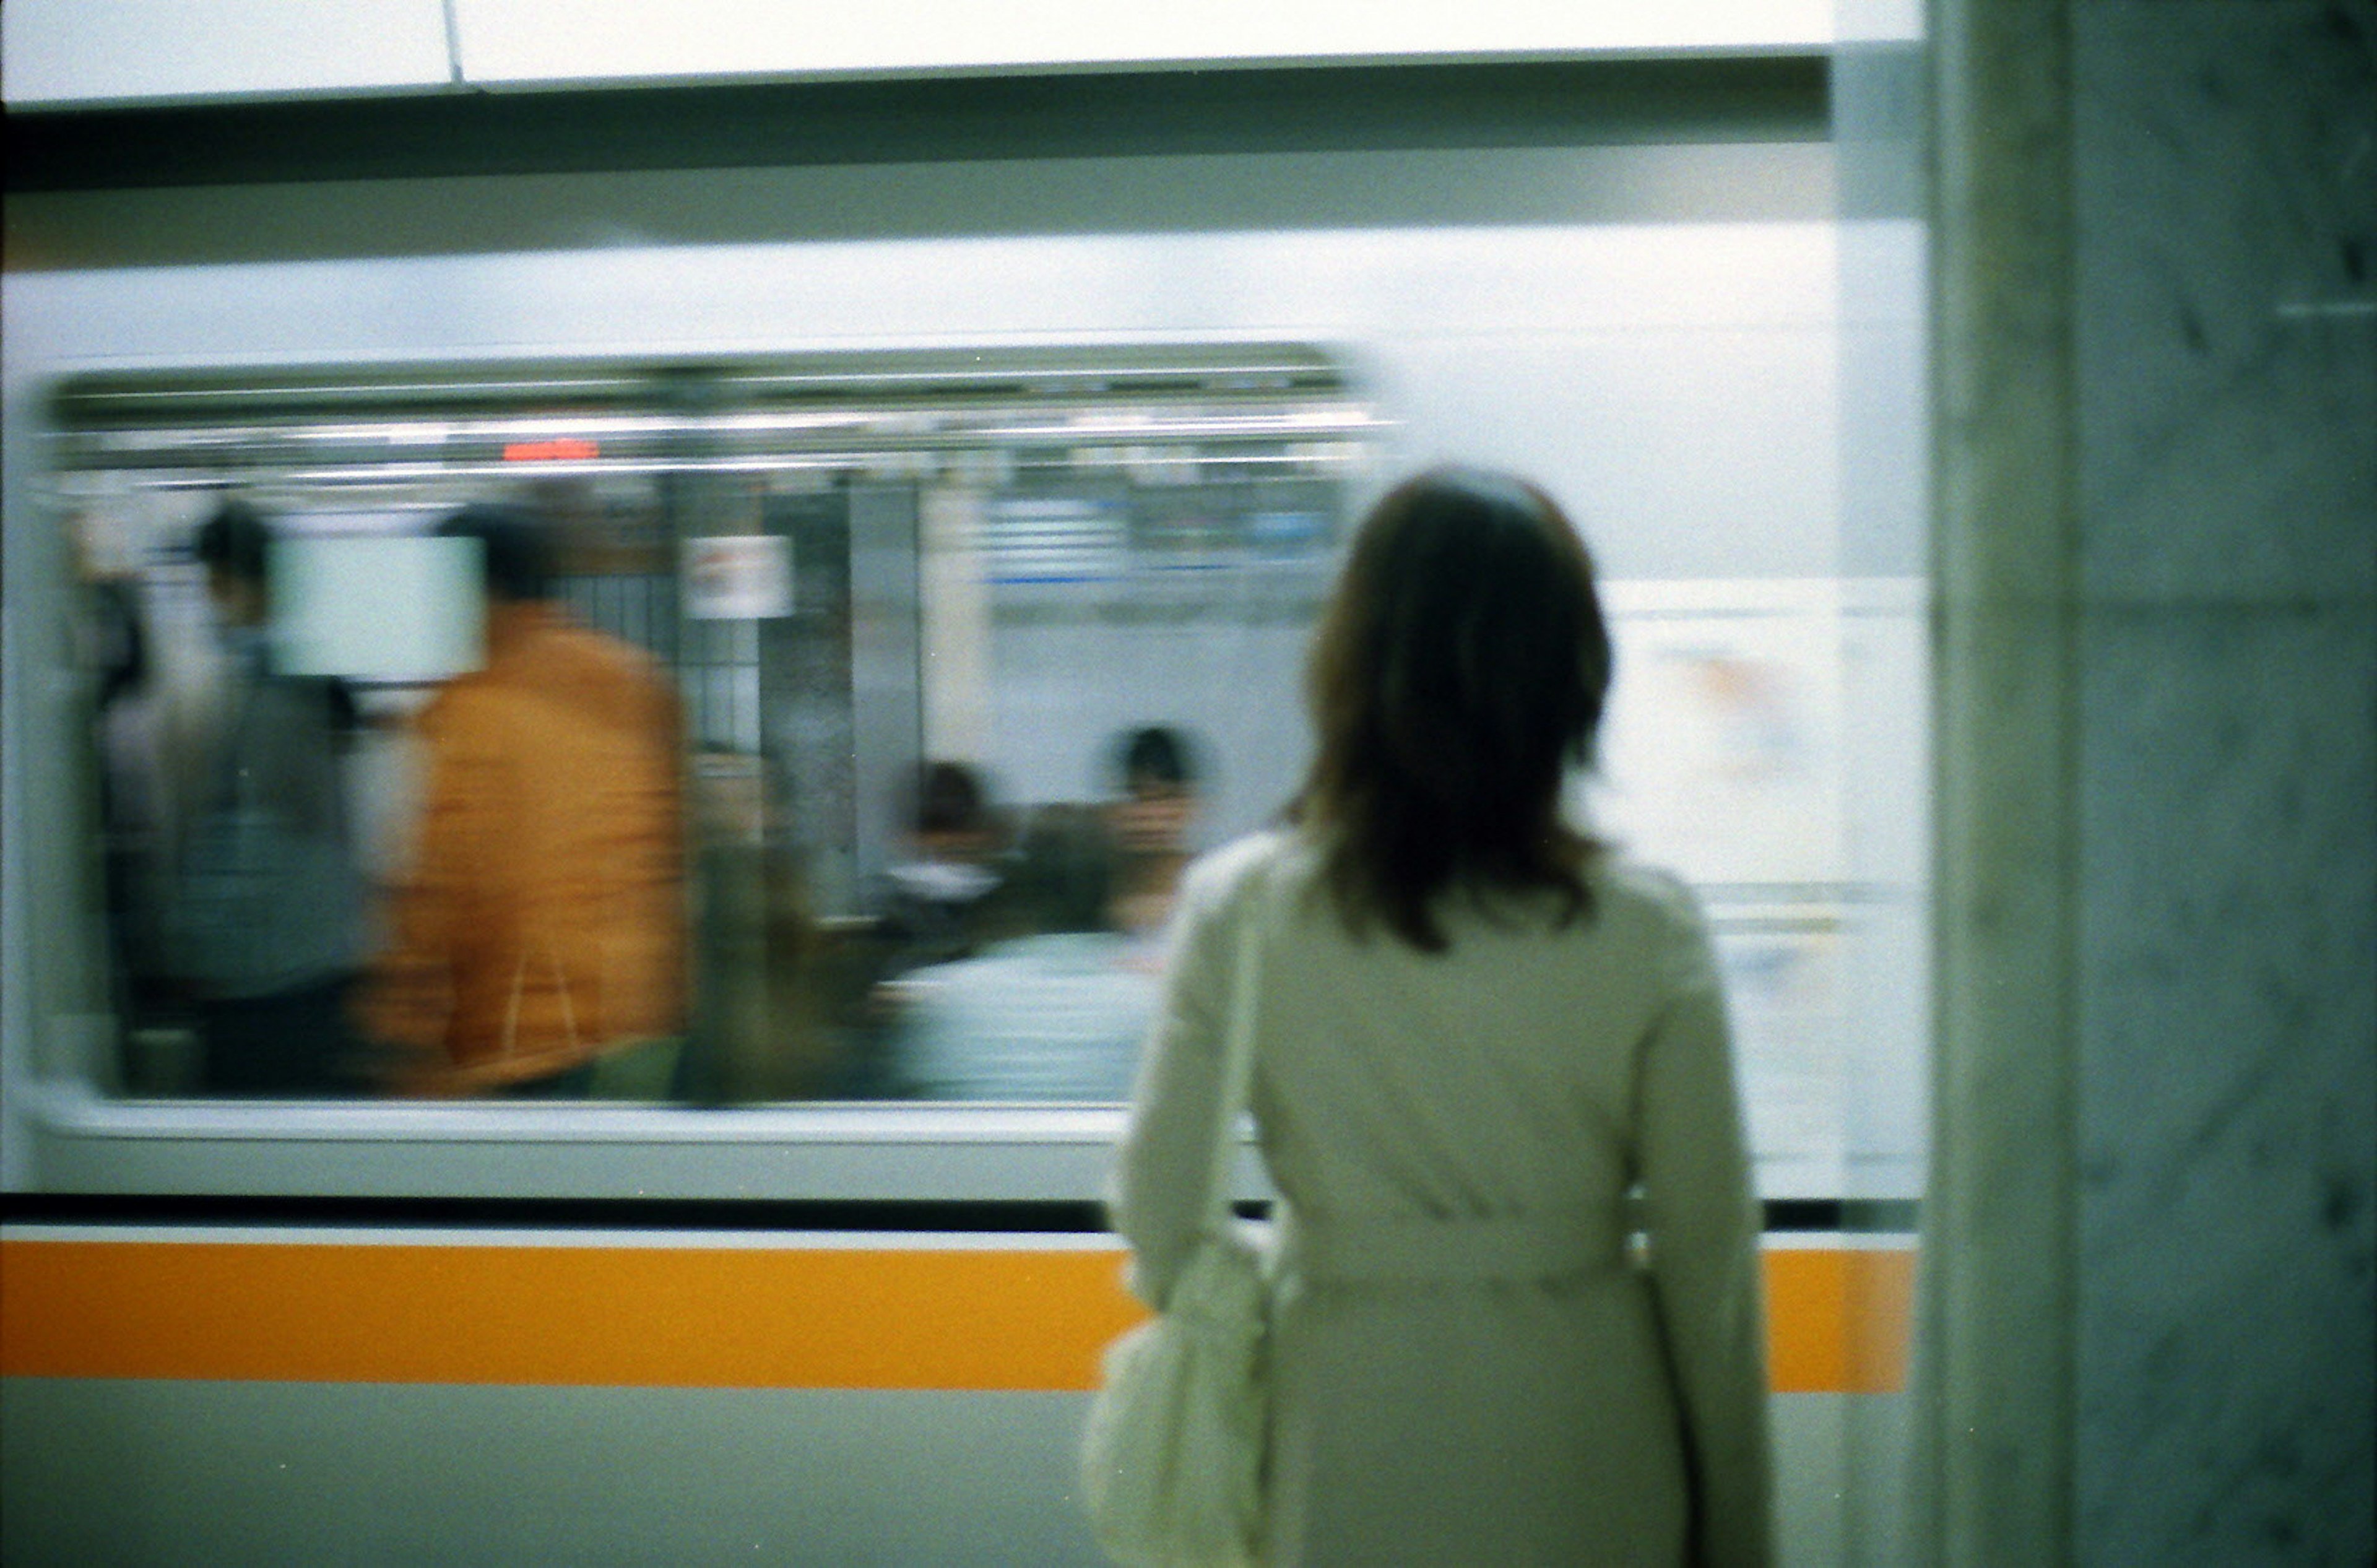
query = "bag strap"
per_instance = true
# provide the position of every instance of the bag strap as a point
(511, 1009)
(1237, 1050)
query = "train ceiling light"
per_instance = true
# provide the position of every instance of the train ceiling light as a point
(1159, 413)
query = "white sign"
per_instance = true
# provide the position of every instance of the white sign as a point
(738, 577)
(393, 609)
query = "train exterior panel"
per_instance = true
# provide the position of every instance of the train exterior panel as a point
(391, 1395)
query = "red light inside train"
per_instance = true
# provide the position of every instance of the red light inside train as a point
(560, 450)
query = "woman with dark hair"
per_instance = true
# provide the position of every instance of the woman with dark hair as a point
(1476, 1030)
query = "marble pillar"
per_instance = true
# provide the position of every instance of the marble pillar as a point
(2224, 184)
(2157, 225)
(1995, 1327)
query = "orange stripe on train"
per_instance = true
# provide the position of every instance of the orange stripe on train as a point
(827, 1317)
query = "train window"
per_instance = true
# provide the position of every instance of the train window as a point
(811, 729)
(948, 661)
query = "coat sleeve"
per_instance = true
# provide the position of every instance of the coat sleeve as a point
(1164, 1168)
(1704, 1256)
(409, 1000)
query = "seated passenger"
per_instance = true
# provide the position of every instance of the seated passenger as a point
(1155, 769)
(264, 917)
(1056, 1016)
(936, 902)
(540, 925)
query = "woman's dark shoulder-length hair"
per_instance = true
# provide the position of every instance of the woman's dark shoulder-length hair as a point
(1459, 671)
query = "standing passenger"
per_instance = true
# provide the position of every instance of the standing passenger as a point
(264, 917)
(1476, 1031)
(540, 925)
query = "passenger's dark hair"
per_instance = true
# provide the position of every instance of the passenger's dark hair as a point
(1065, 871)
(951, 800)
(517, 553)
(235, 541)
(1157, 755)
(1460, 668)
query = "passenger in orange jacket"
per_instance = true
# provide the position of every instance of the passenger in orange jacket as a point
(541, 922)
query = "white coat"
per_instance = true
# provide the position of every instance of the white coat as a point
(1469, 1364)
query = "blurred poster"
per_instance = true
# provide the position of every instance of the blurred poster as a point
(1790, 1022)
(1720, 757)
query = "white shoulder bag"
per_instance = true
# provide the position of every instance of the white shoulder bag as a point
(1172, 1458)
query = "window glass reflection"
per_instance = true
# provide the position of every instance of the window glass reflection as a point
(709, 750)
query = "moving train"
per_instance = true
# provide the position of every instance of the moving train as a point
(1014, 455)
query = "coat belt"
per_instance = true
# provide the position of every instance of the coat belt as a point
(1345, 1249)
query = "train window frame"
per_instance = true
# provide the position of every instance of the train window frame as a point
(869, 1152)
(88, 1139)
